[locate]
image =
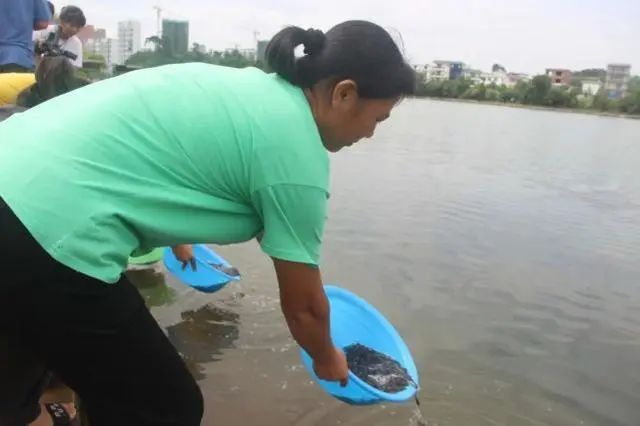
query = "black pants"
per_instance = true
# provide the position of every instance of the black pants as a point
(100, 339)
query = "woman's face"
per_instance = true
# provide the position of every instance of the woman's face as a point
(68, 30)
(348, 118)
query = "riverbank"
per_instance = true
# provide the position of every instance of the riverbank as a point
(536, 107)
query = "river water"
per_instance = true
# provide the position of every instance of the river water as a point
(503, 244)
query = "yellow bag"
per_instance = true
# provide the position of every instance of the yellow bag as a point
(11, 84)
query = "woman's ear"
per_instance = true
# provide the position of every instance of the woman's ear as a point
(345, 95)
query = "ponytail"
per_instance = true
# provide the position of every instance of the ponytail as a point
(280, 53)
(356, 50)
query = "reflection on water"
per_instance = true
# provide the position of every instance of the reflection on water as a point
(202, 334)
(502, 243)
(152, 285)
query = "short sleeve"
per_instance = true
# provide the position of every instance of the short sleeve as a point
(293, 218)
(75, 46)
(41, 11)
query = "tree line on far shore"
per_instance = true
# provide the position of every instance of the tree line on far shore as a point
(538, 91)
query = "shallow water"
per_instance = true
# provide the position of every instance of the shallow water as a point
(503, 245)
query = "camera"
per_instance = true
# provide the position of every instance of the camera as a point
(50, 47)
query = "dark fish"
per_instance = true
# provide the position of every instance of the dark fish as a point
(229, 270)
(377, 369)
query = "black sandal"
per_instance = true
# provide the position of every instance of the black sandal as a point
(58, 414)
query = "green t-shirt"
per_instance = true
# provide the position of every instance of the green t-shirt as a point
(190, 153)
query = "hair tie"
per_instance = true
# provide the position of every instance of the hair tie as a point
(313, 41)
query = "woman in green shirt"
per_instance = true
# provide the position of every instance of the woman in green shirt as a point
(174, 155)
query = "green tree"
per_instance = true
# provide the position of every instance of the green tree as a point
(573, 95)
(146, 59)
(601, 101)
(477, 92)
(233, 59)
(520, 91)
(584, 102)
(155, 41)
(537, 92)
(162, 55)
(433, 88)
(197, 53)
(95, 57)
(556, 97)
(492, 94)
(631, 103)
(511, 94)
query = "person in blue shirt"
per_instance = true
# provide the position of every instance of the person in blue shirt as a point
(18, 19)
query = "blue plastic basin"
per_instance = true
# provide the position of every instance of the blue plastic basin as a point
(353, 320)
(205, 278)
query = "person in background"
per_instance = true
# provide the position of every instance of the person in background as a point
(18, 19)
(171, 156)
(54, 76)
(72, 20)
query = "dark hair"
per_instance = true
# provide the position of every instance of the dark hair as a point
(52, 9)
(55, 76)
(73, 15)
(358, 50)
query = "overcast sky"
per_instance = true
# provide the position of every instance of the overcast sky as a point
(522, 35)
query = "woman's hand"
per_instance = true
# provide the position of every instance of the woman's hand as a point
(334, 368)
(184, 253)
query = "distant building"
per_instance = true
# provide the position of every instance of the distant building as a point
(498, 76)
(444, 70)
(86, 33)
(89, 32)
(559, 76)
(421, 74)
(435, 72)
(129, 39)
(455, 70)
(249, 54)
(108, 48)
(591, 86)
(473, 75)
(617, 82)
(261, 48)
(516, 77)
(175, 35)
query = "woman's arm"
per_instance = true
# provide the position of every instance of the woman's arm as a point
(306, 310)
